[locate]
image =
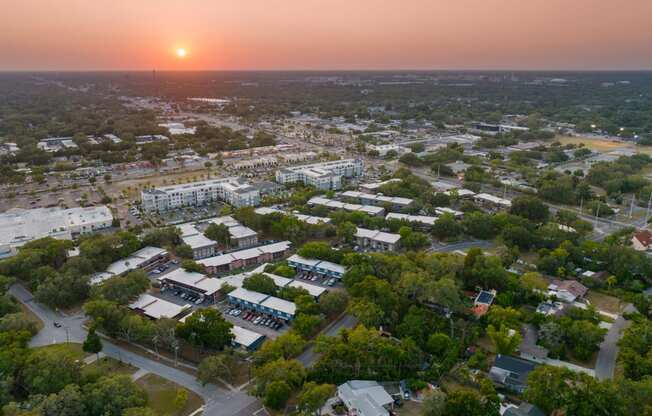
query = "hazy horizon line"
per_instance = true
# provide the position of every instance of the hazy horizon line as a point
(333, 70)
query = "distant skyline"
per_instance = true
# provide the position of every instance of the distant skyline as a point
(325, 35)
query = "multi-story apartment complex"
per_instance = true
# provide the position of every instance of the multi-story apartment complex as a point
(233, 191)
(324, 176)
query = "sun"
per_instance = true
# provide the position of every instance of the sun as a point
(181, 52)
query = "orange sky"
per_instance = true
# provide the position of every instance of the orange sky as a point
(326, 34)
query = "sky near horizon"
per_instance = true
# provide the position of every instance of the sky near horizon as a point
(325, 34)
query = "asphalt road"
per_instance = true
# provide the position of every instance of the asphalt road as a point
(606, 362)
(309, 356)
(218, 401)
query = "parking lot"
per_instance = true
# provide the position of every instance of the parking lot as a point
(255, 321)
(317, 279)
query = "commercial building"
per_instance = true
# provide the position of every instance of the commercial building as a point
(156, 308)
(260, 302)
(233, 191)
(383, 149)
(54, 144)
(245, 258)
(146, 258)
(197, 283)
(324, 176)
(320, 267)
(329, 203)
(379, 199)
(365, 398)
(20, 226)
(376, 240)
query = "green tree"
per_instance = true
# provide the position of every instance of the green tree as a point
(260, 283)
(277, 394)
(48, 371)
(67, 402)
(346, 231)
(314, 396)
(92, 343)
(191, 266)
(214, 368)
(111, 395)
(206, 328)
(530, 207)
(505, 340)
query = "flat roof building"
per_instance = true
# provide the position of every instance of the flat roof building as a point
(419, 219)
(379, 199)
(156, 308)
(198, 283)
(324, 176)
(20, 226)
(492, 201)
(233, 191)
(263, 303)
(320, 267)
(329, 203)
(145, 258)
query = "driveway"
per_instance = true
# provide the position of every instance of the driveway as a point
(218, 401)
(309, 356)
(606, 362)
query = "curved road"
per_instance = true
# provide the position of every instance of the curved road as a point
(217, 401)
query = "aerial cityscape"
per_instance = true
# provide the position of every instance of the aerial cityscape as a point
(325, 208)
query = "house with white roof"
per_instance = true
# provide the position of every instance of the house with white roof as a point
(365, 398)
(157, 308)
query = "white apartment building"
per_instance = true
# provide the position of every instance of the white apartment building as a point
(233, 191)
(323, 176)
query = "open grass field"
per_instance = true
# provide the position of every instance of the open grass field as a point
(162, 394)
(603, 301)
(109, 366)
(75, 349)
(602, 145)
(409, 408)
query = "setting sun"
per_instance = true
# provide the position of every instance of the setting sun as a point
(181, 53)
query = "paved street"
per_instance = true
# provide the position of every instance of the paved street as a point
(218, 401)
(606, 362)
(309, 356)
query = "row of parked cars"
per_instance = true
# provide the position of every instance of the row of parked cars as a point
(190, 297)
(256, 318)
(160, 269)
(311, 277)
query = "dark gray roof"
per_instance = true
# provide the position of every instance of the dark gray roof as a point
(525, 409)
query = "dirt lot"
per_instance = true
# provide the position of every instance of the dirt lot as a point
(602, 145)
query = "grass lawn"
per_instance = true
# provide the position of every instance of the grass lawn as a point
(586, 364)
(73, 348)
(603, 301)
(110, 366)
(31, 316)
(161, 394)
(409, 408)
